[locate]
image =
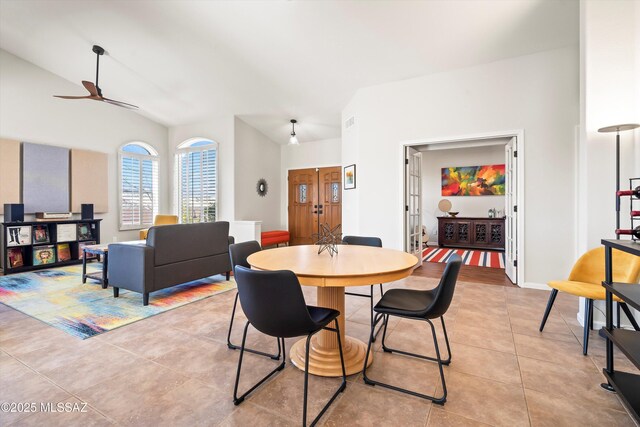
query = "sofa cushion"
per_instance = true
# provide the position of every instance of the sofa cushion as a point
(181, 242)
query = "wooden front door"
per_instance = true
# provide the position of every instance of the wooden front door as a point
(315, 197)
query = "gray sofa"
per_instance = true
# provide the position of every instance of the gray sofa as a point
(172, 255)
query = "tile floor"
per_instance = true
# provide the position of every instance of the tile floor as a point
(175, 369)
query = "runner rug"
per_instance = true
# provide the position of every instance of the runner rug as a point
(490, 259)
(57, 297)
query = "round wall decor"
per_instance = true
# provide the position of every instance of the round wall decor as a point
(444, 205)
(262, 187)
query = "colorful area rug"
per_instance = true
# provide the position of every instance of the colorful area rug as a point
(469, 257)
(57, 296)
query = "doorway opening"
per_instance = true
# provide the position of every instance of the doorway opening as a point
(463, 195)
(315, 198)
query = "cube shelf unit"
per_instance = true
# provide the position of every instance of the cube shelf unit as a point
(625, 384)
(52, 227)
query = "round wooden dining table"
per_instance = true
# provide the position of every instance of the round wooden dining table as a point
(351, 266)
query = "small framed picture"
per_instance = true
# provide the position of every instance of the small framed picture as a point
(66, 233)
(44, 255)
(84, 231)
(349, 178)
(16, 257)
(19, 236)
(64, 252)
(40, 234)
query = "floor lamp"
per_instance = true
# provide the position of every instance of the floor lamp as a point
(617, 129)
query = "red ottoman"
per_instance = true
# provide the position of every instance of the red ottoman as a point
(274, 237)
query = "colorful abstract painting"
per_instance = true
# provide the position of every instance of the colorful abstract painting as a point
(485, 180)
(57, 296)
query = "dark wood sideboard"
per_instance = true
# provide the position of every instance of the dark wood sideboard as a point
(471, 232)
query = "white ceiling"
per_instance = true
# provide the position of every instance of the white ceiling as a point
(270, 61)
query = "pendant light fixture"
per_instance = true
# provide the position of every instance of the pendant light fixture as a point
(294, 139)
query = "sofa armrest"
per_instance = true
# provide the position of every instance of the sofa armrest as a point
(232, 240)
(131, 267)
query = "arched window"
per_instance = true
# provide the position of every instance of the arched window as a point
(138, 187)
(197, 180)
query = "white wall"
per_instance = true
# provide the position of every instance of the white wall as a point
(326, 152)
(536, 93)
(220, 130)
(432, 163)
(256, 156)
(30, 113)
(610, 94)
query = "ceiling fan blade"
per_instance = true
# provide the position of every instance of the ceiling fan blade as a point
(119, 103)
(73, 97)
(90, 87)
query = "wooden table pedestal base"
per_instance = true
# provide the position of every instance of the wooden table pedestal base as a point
(324, 357)
(325, 362)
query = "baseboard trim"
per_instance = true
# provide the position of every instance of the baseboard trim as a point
(599, 324)
(533, 285)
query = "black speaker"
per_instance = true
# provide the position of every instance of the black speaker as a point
(87, 211)
(13, 212)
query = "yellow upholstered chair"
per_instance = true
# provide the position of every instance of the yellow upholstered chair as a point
(586, 279)
(160, 220)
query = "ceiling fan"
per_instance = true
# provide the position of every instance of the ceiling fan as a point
(94, 89)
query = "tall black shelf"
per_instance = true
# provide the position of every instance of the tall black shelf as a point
(627, 385)
(27, 249)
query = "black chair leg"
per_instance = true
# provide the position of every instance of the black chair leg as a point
(238, 400)
(145, 298)
(342, 387)
(236, 347)
(370, 296)
(388, 349)
(588, 312)
(442, 399)
(446, 340)
(632, 319)
(375, 335)
(439, 400)
(552, 299)
(381, 294)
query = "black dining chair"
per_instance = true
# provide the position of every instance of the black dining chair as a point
(365, 241)
(274, 305)
(239, 253)
(423, 306)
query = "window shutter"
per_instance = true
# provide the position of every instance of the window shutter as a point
(130, 204)
(209, 185)
(197, 185)
(139, 191)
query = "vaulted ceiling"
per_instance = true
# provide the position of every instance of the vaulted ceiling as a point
(269, 61)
